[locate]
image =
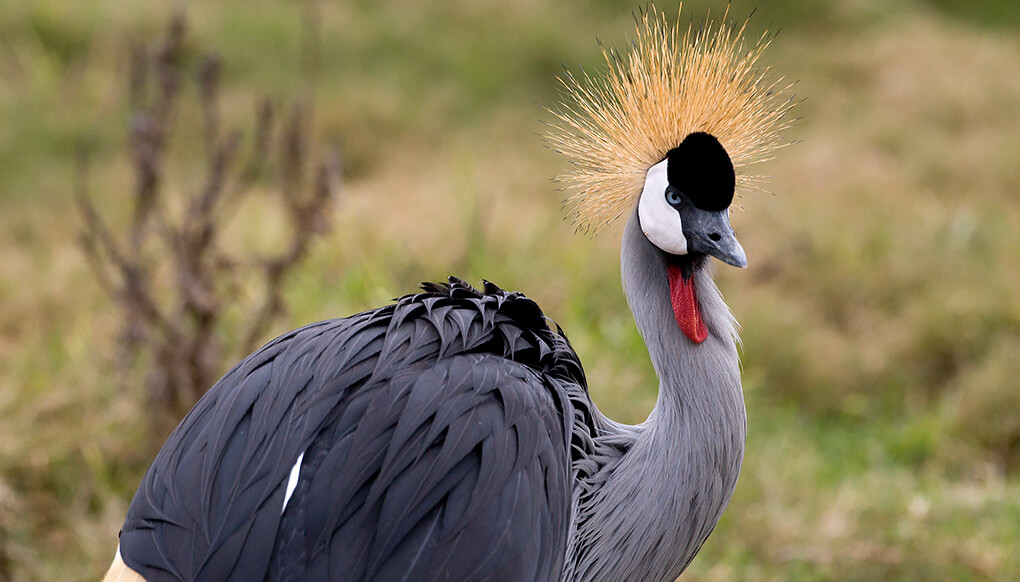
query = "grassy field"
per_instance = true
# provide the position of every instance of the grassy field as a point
(880, 313)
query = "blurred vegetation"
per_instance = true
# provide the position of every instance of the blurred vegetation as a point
(168, 272)
(880, 314)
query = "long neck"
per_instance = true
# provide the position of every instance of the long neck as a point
(695, 380)
(658, 504)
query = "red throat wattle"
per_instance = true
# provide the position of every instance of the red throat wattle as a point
(685, 305)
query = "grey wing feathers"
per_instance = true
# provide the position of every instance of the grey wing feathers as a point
(435, 436)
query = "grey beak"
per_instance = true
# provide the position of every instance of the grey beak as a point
(710, 232)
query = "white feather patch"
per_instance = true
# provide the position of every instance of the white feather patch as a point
(659, 221)
(295, 472)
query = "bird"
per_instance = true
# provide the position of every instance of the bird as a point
(450, 434)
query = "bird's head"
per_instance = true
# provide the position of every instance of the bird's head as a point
(672, 127)
(684, 204)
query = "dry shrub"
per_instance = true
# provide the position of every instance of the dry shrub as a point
(172, 274)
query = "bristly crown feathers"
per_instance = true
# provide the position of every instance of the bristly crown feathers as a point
(668, 86)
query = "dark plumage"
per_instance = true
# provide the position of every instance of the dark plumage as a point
(435, 435)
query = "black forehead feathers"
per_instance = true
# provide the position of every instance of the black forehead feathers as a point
(701, 169)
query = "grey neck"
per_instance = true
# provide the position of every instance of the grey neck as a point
(687, 371)
(650, 514)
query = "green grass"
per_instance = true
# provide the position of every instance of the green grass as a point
(881, 322)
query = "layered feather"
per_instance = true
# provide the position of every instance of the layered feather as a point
(435, 436)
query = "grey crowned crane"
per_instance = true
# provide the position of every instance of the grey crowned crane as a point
(450, 435)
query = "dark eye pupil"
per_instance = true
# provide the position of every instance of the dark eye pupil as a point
(672, 197)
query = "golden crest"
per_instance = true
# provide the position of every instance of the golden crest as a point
(667, 86)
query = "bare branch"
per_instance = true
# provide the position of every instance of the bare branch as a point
(178, 326)
(208, 94)
(293, 156)
(98, 243)
(138, 76)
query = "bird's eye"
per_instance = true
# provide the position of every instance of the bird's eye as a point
(673, 197)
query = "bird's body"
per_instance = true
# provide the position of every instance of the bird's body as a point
(431, 441)
(447, 436)
(451, 436)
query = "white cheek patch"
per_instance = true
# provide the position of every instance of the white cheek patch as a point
(659, 221)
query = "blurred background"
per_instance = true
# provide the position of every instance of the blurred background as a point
(880, 312)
